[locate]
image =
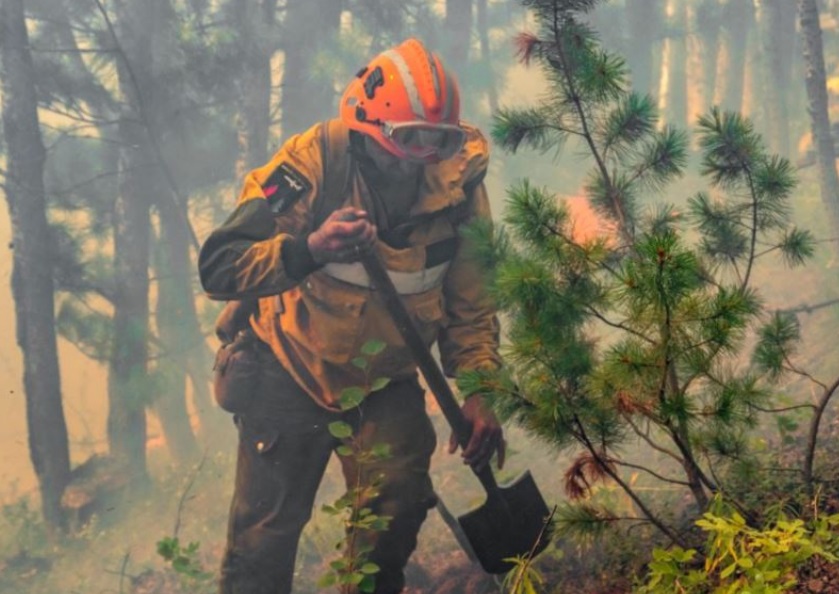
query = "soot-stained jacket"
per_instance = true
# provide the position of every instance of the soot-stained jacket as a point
(316, 319)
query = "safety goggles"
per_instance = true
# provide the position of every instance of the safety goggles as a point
(421, 140)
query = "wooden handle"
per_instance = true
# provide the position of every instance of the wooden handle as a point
(428, 366)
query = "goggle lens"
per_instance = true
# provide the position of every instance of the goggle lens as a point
(428, 141)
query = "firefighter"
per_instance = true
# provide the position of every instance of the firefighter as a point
(398, 173)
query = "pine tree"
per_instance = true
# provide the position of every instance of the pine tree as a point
(635, 335)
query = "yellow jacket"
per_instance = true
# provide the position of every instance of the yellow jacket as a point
(317, 325)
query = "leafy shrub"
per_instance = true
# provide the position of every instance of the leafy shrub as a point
(739, 558)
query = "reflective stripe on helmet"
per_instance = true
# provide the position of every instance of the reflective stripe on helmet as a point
(407, 81)
(406, 283)
(436, 77)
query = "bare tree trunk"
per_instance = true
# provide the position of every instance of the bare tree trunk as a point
(257, 32)
(753, 94)
(673, 81)
(644, 21)
(128, 367)
(304, 99)
(483, 33)
(698, 85)
(737, 19)
(817, 95)
(708, 28)
(458, 27)
(173, 309)
(778, 35)
(127, 377)
(32, 277)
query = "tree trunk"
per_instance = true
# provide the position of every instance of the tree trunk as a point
(817, 96)
(644, 21)
(458, 27)
(306, 100)
(673, 81)
(708, 26)
(127, 382)
(32, 279)
(778, 35)
(128, 387)
(174, 296)
(737, 19)
(753, 93)
(483, 34)
(699, 54)
(256, 31)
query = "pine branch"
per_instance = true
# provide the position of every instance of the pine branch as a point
(587, 135)
(645, 435)
(754, 208)
(650, 472)
(618, 325)
(781, 409)
(648, 513)
(813, 436)
(790, 366)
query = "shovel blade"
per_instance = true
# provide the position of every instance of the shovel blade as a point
(510, 523)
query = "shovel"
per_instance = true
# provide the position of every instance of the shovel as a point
(513, 522)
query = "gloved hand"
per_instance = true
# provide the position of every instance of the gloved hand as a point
(343, 237)
(487, 436)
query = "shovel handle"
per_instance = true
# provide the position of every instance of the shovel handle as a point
(422, 355)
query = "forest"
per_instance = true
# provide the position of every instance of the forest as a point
(665, 198)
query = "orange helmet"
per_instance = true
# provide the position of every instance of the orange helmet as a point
(408, 102)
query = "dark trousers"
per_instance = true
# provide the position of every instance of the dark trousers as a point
(284, 446)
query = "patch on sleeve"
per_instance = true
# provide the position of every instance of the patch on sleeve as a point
(285, 187)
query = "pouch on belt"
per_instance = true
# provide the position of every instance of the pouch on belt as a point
(236, 372)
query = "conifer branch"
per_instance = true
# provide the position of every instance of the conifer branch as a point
(618, 325)
(774, 410)
(649, 471)
(604, 464)
(813, 436)
(586, 132)
(790, 366)
(754, 209)
(645, 435)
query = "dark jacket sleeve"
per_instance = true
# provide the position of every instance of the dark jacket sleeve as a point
(261, 249)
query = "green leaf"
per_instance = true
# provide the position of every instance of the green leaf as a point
(379, 383)
(373, 347)
(351, 397)
(360, 362)
(380, 450)
(728, 570)
(340, 429)
(367, 584)
(370, 568)
(344, 450)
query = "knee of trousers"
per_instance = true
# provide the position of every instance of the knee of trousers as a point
(406, 503)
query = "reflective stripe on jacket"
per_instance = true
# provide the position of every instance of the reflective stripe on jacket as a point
(316, 326)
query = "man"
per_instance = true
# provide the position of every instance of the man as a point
(410, 175)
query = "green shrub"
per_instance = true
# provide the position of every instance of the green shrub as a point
(739, 558)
